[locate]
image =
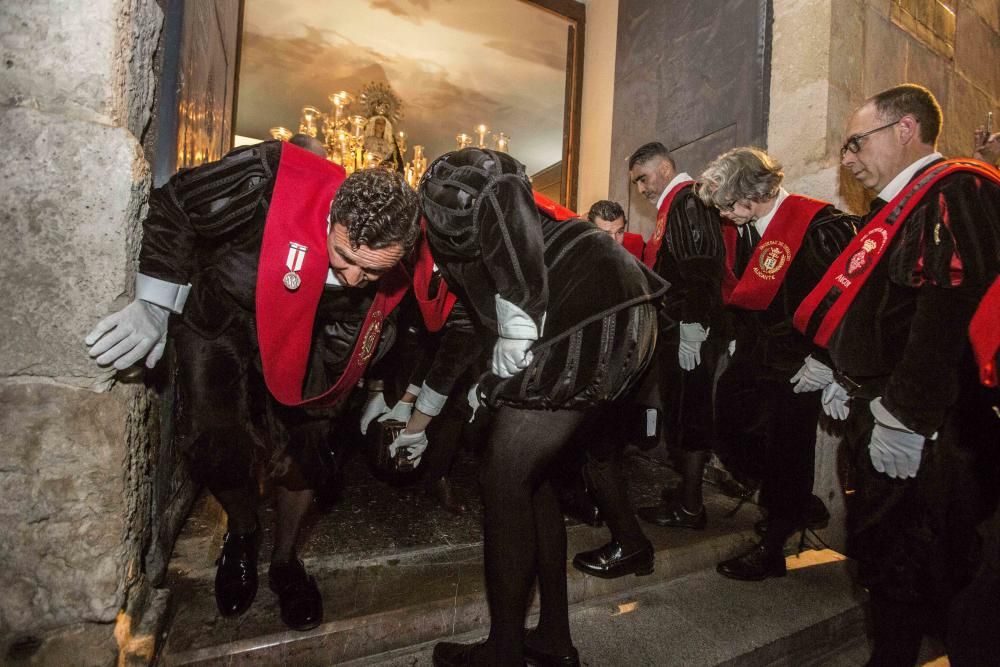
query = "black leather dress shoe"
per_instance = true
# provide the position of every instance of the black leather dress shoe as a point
(539, 657)
(236, 575)
(440, 489)
(673, 516)
(611, 561)
(452, 654)
(757, 564)
(301, 603)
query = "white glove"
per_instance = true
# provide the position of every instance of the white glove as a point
(412, 444)
(894, 449)
(375, 405)
(400, 412)
(835, 399)
(689, 350)
(813, 376)
(474, 402)
(732, 347)
(138, 330)
(511, 356)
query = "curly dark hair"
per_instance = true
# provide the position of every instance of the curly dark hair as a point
(378, 208)
(606, 210)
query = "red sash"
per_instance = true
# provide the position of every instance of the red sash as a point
(820, 313)
(552, 209)
(652, 248)
(435, 310)
(634, 244)
(984, 332)
(304, 188)
(768, 266)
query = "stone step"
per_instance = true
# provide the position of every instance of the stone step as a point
(811, 617)
(378, 600)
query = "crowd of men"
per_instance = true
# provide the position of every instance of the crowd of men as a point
(276, 284)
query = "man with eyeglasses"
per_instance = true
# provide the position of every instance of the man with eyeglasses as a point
(894, 311)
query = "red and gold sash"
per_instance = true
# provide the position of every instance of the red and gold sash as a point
(821, 312)
(552, 209)
(984, 332)
(768, 266)
(435, 310)
(652, 248)
(304, 188)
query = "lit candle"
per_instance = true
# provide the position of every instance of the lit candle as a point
(463, 140)
(503, 143)
(481, 131)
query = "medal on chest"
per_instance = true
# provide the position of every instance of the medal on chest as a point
(296, 255)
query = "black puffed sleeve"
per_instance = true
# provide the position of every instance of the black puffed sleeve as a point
(202, 203)
(694, 237)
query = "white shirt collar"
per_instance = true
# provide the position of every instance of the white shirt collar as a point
(762, 223)
(679, 178)
(897, 184)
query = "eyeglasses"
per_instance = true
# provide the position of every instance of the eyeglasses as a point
(728, 207)
(853, 142)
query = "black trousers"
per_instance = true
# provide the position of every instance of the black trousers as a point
(769, 431)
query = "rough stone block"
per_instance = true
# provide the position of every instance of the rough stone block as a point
(977, 52)
(847, 54)
(65, 506)
(988, 10)
(885, 53)
(62, 57)
(73, 192)
(929, 69)
(966, 110)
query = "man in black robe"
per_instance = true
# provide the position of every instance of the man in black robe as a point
(275, 300)
(571, 317)
(686, 250)
(894, 310)
(768, 399)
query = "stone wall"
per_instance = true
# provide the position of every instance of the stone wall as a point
(829, 55)
(75, 96)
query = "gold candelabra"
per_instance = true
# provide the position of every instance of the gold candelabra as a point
(499, 140)
(361, 140)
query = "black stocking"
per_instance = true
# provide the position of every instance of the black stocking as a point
(523, 530)
(692, 464)
(240, 505)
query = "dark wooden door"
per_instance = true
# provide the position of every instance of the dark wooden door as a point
(692, 75)
(194, 120)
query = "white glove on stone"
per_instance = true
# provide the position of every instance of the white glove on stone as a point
(511, 356)
(689, 349)
(412, 444)
(835, 399)
(136, 331)
(813, 376)
(375, 406)
(894, 449)
(400, 412)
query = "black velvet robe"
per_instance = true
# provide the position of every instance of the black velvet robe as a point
(205, 227)
(488, 238)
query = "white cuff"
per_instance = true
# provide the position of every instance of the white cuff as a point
(512, 322)
(886, 418)
(162, 293)
(413, 389)
(430, 402)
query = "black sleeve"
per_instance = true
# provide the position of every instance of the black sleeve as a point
(510, 235)
(694, 238)
(950, 254)
(460, 347)
(199, 204)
